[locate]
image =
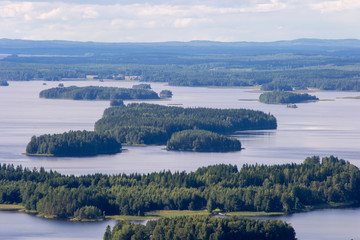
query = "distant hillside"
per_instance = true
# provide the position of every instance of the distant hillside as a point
(305, 46)
(298, 64)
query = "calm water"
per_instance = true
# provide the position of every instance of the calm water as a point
(328, 127)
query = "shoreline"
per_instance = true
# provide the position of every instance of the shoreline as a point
(157, 214)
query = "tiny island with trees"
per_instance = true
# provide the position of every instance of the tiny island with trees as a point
(98, 93)
(283, 97)
(202, 141)
(73, 143)
(165, 94)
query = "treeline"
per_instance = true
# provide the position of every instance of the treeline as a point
(287, 188)
(281, 97)
(202, 228)
(142, 86)
(202, 141)
(326, 71)
(98, 93)
(73, 143)
(276, 86)
(154, 124)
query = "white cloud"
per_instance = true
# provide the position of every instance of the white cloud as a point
(89, 13)
(160, 20)
(182, 22)
(55, 13)
(336, 5)
(9, 9)
(123, 23)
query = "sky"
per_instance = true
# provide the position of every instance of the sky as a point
(179, 20)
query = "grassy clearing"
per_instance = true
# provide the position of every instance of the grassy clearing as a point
(177, 213)
(129, 218)
(159, 214)
(11, 207)
(254, 214)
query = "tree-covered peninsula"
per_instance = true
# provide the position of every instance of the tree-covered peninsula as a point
(202, 228)
(73, 143)
(154, 124)
(98, 93)
(202, 141)
(286, 188)
(283, 97)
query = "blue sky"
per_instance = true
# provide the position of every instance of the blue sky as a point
(160, 20)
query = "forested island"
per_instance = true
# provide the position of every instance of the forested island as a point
(98, 93)
(141, 123)
(286, 188)
(202, 228)
(283, 97)
(165, 94)
(202, 141)
(72, 144)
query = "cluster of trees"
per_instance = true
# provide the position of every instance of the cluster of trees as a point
(276, 86)
(154, 124)
(89, 213)
(287, 188)
(73, 143)
(202, 141)
(281, 97)
(98, 93)
(142, 86)
(166, 94)
(117, 103)
(202, 228)
(4, 83)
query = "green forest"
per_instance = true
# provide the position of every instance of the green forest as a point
(299, 64)
(142, 86)
(98, 93)
(73, 143)
(141, 123)
(202, 141)
(276, 86)
(283, 97)
(287, 188)
(202, 228)
(165, 94)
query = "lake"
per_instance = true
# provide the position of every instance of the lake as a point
(328, 127)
